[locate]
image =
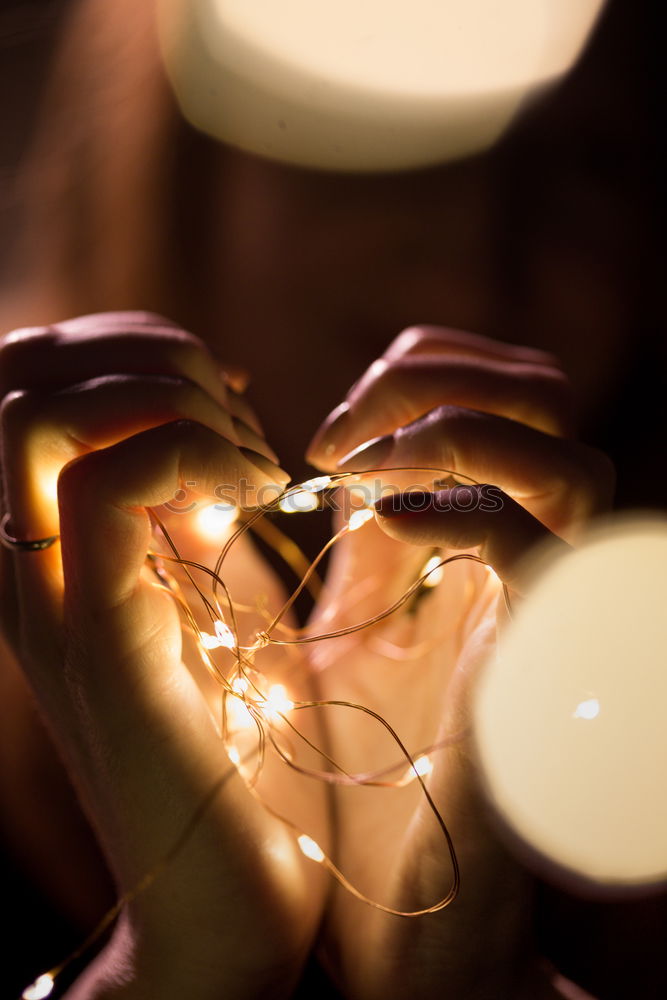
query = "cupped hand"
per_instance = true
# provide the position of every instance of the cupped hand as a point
(123, 413)
(500, 415)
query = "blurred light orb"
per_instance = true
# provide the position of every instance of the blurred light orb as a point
(366, 85)
(299, 502)
(215, 520)
(40, 989)
(570, 716)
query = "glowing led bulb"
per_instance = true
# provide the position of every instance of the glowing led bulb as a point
(209, 641)
(240, 685)
(589, 709)
(277, 703)
(234, 756)
(299, 502)
(359, 518)
(215, 520)
(238, 716)
(317, 484)
(311, 849)
(423, 765)
(224, 635)
(42, 987)
(435, 572)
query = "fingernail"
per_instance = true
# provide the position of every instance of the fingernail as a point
(331, 435)
(251, 439)
(369, 455)
(269, 468)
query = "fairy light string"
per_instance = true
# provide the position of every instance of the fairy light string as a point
(267, 712)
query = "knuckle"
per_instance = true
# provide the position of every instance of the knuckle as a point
(16, 339)
(374, 376)
(188, 353)
(408, 340)
(17, 350)
(74, 477)
(17, 410)
(384, 374)
(453, 417)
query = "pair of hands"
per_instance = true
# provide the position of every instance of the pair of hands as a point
(124, 410)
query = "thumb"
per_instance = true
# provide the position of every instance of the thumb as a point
(465, 517)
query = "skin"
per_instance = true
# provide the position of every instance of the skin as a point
(493, 412)
(135, 730)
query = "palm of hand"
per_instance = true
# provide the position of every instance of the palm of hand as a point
(242, 846)
(415, 670)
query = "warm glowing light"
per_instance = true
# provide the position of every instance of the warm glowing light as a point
(42, 987)
(435, 572)
(277, 703)
(423, 765)
(225, 635)
(587, 643)
(588, 709)
(240, 685)
(209, 641)
(238, 716)
(300, 502)
(215, 520)
(48, 484)
(311, 849)
(317, 484)
(234, 756)
(365, 494)
(358, 518)
(366, 84)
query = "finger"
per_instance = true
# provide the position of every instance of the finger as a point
(91, 346)
(394, 393)
(429, 339)
(110, 343)
(41, 432)
(562, 483)
(121, 317)
(103, 498)
(465, 517)
(129, 712)
(109, 489)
